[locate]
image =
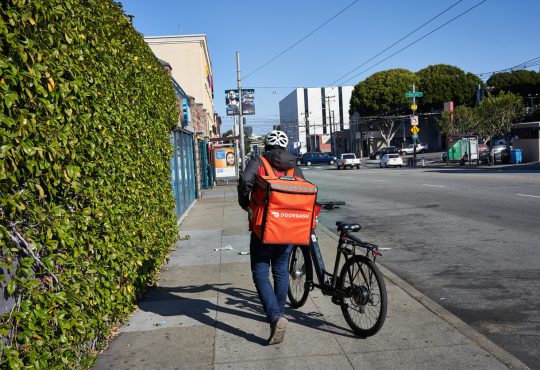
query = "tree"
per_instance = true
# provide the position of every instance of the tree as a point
(520, 82)
(383, 94)
(441, 83)
(463, 120)
(228, 133)
(495, 115)
(499, 113)
(247, 144)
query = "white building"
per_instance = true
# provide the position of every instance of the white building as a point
(314, 113)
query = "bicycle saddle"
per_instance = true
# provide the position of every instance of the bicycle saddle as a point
(346, 226)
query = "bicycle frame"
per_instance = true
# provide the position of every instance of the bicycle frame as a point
(358, 288)
(327, 281)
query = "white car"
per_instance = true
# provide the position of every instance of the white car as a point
(348, 160)
(388, 160)
(409, 149)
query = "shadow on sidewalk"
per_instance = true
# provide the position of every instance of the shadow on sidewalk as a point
(246, 305)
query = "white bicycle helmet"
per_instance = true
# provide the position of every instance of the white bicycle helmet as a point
(277, 138)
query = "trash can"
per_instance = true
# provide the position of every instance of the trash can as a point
(516, 156)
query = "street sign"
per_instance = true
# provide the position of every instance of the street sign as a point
(415, 137)
(414, 107)
(415, 130)
(415, 94)
(414, 120)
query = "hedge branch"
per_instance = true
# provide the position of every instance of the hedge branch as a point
(19, 240)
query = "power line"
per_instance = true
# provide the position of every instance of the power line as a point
(319, 124)
(397, 42)
(302, 39)
(529, 63)
(419, 39)
(270, 87)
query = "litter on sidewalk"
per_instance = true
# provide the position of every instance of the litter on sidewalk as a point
(227, 248)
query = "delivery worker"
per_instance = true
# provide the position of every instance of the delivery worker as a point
(265, 255)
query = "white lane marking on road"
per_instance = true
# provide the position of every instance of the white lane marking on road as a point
(435, 186)
(528, 195)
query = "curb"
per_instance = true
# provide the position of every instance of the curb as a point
(499, 353)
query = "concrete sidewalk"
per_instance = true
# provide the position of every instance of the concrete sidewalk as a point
(205, 314)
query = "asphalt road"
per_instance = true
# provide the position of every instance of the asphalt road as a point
(468, 239)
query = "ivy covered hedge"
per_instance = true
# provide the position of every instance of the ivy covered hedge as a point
(86, 209)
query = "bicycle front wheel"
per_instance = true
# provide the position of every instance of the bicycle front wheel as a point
(364, 296)
(300, 275)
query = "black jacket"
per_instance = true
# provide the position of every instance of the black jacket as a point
(279, 159)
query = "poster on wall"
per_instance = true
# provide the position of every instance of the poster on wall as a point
(225, 162)
(232, 102)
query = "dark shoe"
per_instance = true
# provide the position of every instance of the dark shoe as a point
(277, 332)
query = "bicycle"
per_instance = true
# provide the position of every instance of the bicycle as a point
(359, 288)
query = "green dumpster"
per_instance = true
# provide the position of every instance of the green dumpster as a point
(454, 150)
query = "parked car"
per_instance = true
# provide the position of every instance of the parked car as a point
(348, 160)
(317, 158)
(496, 153)
(391, 159)
(387, 150)
(409, 149)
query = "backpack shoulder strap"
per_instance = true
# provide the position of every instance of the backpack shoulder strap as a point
(270, 171)
(268, 168)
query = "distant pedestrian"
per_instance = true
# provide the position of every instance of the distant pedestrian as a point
(263, 256)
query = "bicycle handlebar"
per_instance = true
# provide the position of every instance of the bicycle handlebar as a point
(331, 204)
(337, 203)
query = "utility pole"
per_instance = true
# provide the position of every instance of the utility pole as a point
(308, 139)
(327, 98)
(414, 119)
(414, 140)
(334, 136)
(240, 121)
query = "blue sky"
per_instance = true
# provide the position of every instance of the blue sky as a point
(495, 35)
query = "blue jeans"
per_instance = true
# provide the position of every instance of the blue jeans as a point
(262, 257)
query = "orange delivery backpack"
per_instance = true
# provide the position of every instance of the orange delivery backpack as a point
(282, 208)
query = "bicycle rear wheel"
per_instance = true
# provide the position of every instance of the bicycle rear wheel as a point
(300, 275)
(364, 296)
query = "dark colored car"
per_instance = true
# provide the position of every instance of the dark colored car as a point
(316, 158)
(387, 150)
(496, 154)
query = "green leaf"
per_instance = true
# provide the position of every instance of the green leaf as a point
(4, 149)
(41, 192)
(11, 287)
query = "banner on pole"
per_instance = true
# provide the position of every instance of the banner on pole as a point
(232, 102)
